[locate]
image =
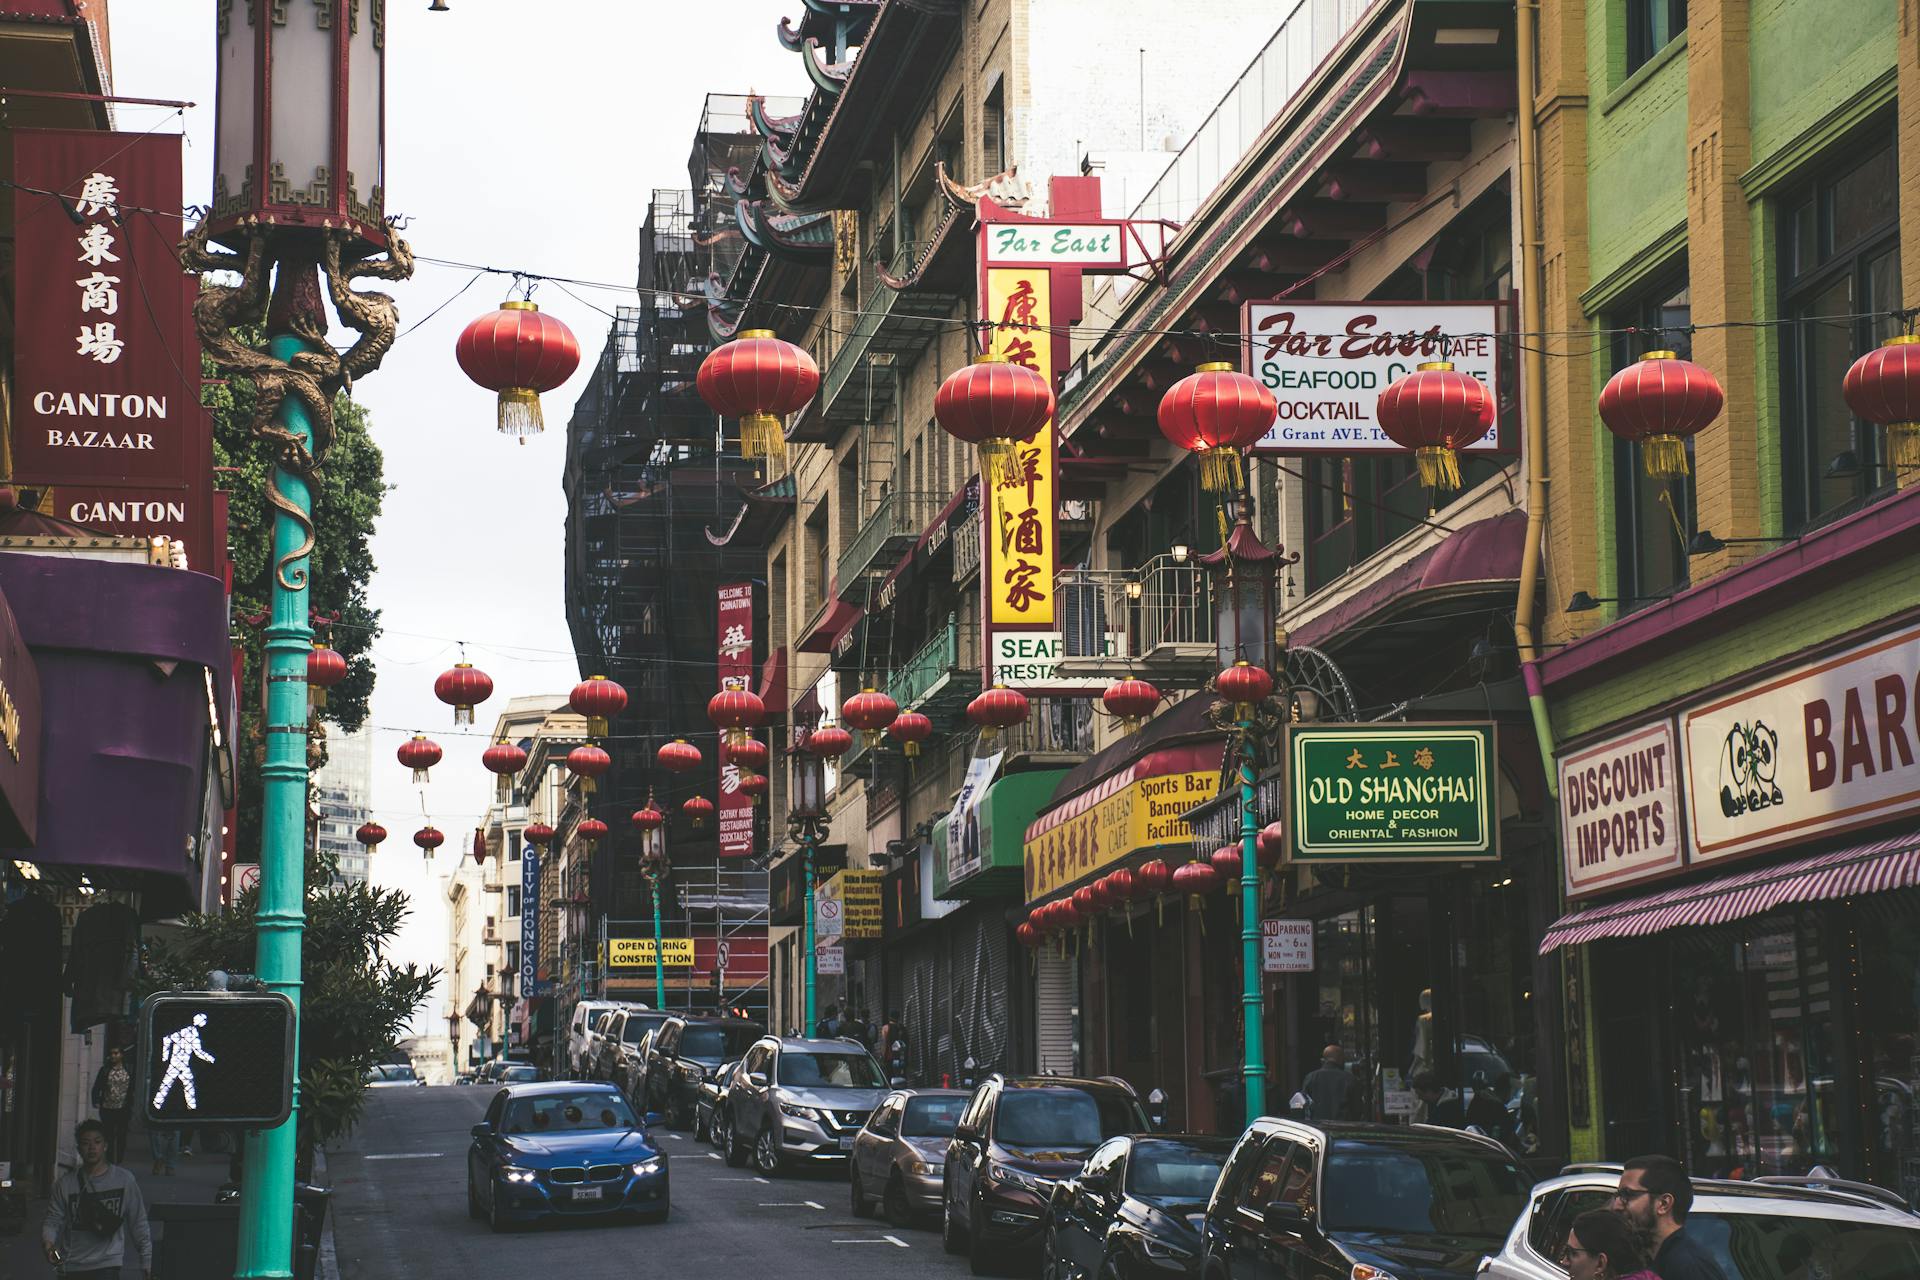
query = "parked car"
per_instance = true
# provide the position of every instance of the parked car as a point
(899, 1153)
(713, 1098)
(1135, 1209)
(388, 1075)
(1326, 1201)
(580, 1027)
(1016, 1139)
(684, 1052)
(620, 1061)
(1797, 1227)
(594, 1055)
(564, 1149)
(520, 1073)
(799, 1100)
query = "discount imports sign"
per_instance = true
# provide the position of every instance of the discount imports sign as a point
(1405, 792)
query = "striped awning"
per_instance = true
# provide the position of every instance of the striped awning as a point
(1844, 873)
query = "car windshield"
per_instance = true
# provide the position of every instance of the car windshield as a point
(568, 1113)
(717, 1042)
(931, 1117)
(830, 1070)
(637, 1026)
(1063, 1119)
(513, 1074)
(1167, 1169)
(1765, 1246)
(1423, 1190)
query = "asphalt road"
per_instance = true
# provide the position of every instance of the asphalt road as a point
(400, 1211)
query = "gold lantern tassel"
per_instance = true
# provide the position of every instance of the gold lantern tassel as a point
(912, 749)
(462, 714)
(503, 791)
(419, 777)
(1666, 456)
(1903, 446)
(519, 413)
(586, 785)
(596, 726)
(317, 696)
(999, 462)
(763, 436)
(1440, 466)
(1220, 470)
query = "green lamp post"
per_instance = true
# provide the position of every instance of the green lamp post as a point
(298, 195)
(653, 865)
(807, 823)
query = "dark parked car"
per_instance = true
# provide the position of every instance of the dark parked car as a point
(899, 1154)
(1016, 1139)
(1136, 1208)
(1324, 1202)
(796, 1101)
(564, 1149)
(713, 1097)
(521, 1073)
(621, 1061)
(684, 1053)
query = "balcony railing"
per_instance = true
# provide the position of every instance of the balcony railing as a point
(966, 548)
(1156, 621)
(896, 523)
(1053, 727)
(944, 673)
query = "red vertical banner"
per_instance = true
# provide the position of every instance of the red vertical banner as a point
(106, 371)
(734, 660)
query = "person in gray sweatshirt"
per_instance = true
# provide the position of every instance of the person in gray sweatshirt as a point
(81, 1199)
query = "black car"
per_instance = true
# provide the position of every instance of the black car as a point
(713, 1097)
(622, 1054)
(1136, 1208)
(1330, 1201)
(684, 1054)
(1016, 1139)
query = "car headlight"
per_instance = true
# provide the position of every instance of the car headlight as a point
(641, 1168)
(799, 1112)
(1366, 1271)
(513, 1173)
(1020, 1177)
(1154, 1247)
(920, 1168)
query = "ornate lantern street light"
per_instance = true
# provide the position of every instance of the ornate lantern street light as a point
(299, 189)
(807, 823)
(651, 823)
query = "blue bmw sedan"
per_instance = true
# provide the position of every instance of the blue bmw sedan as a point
(565, 1150)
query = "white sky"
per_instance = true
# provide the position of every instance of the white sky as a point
(519, 135)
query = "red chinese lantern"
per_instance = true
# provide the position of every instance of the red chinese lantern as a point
(518, 352)
(753, 786)
(829, 742)
(371, 834)
(649, 818)
(1195, 878)
(679, 756)
(1216, 411)
(463, 688)
(1243, 684)
(1131, 700)
(504, 759)
(1658, 402)
(479, 847)
(1151, 878)
(429, 839)
(1883, 387)
(735, 711)
(1065, 914)
(1121, 886)
(996, 709)
(1226, 861)
(325, 669)
(870, 711)
(748, 753)
(1086, 902)
(910, 729)
(995, 406)
(1436, 411)
(698, 809)
(587, 763)
(419, 753)
(591, 829)
(538, 834)
(759, 379)
(1029, 936)
(1270, 844)
(599, 700)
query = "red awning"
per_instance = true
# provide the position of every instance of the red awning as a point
(837, 619)
(1869, 868)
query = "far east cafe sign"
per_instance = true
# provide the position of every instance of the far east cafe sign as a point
(1030, 274)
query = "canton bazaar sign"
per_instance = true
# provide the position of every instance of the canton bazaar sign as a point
(1327, 363)
(1401, 792)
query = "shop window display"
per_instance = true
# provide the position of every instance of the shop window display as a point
(1889, 1028)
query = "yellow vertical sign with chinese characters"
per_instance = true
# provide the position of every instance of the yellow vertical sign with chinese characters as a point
(1020, 516)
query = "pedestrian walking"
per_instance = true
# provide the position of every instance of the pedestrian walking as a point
(893, 1046)
(1438, 1104)
(1656, 1195)
(163, 1142)
(1488, 1111)
(861, 1029)
(112, 1098)
(1605, 1245)
(828, 1026)
(92, 1213)
(1332, 1092)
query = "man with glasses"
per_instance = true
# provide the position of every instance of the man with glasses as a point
(1656, 1195)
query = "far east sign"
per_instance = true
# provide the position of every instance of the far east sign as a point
(1391, 793)
(217, 1057)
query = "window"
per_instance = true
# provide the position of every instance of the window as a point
(513, 956)
(1840, 258)
(993, 131)
(1654, 518)
(1444, 1189)
(513, 901)
(1058, 1119)
(1263, 1188)
(1651, 25)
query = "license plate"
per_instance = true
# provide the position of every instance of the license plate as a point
(589, 1193)
(846, 1143)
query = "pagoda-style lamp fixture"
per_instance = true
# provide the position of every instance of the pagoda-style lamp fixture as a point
(1245, 574)
(807, 822)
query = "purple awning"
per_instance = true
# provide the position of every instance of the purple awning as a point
(1484, 553)
(1868, 868)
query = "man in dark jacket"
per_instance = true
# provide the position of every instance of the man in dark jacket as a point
(1332, 1092)
(1656, 1195)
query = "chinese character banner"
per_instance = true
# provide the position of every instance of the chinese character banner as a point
(734, 661)
(1020, 515)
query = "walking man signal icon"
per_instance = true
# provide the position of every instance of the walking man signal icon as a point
(178, 1050)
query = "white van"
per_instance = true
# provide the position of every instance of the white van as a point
(580, 1046)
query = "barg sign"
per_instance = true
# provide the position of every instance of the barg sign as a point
(1620, 810)
(1327, 363)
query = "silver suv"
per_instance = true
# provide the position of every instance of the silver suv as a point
(1757, 1230)
(798, 1101)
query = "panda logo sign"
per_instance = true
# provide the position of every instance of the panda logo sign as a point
(216, 1057)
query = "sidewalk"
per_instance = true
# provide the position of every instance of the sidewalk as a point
(198, 1177)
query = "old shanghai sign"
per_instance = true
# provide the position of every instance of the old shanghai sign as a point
(1327, 363)
(1824, 747)
(1620, 810)
(1401, 792)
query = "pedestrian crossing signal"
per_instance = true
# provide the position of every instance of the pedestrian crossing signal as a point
(217, 1057)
